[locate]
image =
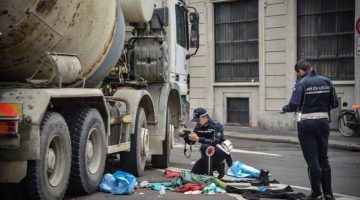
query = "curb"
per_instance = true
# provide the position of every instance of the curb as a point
(265, 139)
(348, 147)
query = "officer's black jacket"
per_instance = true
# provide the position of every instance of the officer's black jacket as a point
(211, 133)
(312, 93)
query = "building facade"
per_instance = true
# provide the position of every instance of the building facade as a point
(243, 73)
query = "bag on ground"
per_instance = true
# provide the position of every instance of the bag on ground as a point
(240, 170)
(118, 183)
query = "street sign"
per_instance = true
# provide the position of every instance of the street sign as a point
(358, 46)
(357, 26)
(210, 151)
(209, 160)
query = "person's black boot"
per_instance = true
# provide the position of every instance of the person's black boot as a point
(326, 184)
(221, 170)
(229, 160)
(315, 181)
(262, 179)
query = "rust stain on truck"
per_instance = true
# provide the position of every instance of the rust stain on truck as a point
(46, 6)
(107, 46)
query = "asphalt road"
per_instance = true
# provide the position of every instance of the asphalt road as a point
(284, 161)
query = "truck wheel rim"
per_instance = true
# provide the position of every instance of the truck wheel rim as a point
(50, 160)
(93, 151)
(89, 150)
(55, 163)
(144, 142)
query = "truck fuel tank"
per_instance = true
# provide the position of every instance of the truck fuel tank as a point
(137, 10)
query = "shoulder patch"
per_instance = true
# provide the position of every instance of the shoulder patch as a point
(294, 89)
(219, 134)
(216, 122)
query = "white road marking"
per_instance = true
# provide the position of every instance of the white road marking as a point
(253, 152)
(236, 196)
(233, 151)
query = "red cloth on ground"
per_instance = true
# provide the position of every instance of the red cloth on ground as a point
(170, 174)
(189, 187)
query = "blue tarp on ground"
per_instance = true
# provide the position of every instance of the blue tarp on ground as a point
(240, 170)
(118, 183)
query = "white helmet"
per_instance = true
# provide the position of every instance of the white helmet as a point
(225, 146)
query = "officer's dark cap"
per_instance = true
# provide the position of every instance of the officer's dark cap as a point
(199, 112)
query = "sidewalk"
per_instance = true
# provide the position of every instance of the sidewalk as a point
(336, 140)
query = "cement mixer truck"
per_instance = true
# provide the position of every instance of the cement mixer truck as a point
(85, 81)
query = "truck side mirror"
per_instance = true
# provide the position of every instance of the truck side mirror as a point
(194, 32)
(194, 36)
(194, 18)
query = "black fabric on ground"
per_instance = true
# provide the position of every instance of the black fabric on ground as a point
(291, 196)
(247, 181)
(252, 194)
(283, 196)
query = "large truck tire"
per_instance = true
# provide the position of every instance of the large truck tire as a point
(163, 161)
(89, 150)
(134, 161)
(8, 191)
(47, 178)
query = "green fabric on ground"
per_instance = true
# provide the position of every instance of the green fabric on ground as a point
(188, 177)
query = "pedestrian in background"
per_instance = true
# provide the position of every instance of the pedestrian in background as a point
(312, 98)
(209, 132)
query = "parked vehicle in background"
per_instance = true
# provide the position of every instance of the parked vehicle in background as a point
(73, 91)
(349, 120)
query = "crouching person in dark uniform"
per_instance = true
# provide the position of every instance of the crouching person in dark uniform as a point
(208, 132)
(313, 97)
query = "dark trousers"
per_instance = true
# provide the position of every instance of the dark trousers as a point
(313, 135)
(218, 157)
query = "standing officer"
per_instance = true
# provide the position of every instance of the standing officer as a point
(208, 132)
(313, 97)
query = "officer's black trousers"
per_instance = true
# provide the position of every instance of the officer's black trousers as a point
(218, 157)
(313, 135)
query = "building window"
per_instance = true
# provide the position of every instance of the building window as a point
(326, 36)
(237, 111)
(236, 41)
